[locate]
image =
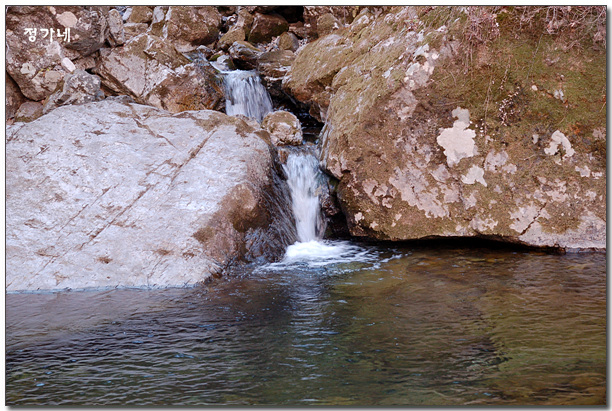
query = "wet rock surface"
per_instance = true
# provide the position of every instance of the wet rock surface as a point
(113, 194)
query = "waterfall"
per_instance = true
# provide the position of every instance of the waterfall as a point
(303, 178)
(244, 94)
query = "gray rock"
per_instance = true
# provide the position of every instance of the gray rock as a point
(111, 194)
(116, 35)
(284, 128)
(29, 111)
(79, 87)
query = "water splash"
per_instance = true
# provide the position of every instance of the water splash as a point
(303, 178)
(244, 94)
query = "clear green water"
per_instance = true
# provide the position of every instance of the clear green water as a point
(416, 327)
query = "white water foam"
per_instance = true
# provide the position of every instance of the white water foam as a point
(322, 253)
(244, 94)
(310, 251)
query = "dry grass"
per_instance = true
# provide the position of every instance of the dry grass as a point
(481, 24)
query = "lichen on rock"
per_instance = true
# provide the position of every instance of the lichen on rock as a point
(428, 142)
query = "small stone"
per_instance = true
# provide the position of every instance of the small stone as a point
(116, 36)
(235, 34)
(284, 128)
(29, 111)
(68, 65)
(288, 41)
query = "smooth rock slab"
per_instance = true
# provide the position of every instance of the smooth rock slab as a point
(112, 193)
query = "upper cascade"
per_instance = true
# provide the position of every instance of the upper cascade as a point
(244, 94)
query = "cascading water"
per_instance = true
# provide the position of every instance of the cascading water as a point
(305, 181)
(247, 96)
(244, 94)
(303, 178)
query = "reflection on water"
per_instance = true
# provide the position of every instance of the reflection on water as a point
(410, 327)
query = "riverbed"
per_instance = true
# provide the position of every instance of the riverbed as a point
(378, 326)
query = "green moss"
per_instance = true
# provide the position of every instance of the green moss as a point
(509, 85)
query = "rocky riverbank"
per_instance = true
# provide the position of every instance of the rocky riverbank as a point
(122, 169)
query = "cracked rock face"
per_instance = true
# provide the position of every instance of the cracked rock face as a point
(113, 193)
(151, 70)
(412, 166)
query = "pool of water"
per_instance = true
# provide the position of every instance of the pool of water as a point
(392, 326)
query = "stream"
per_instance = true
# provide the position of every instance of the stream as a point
(381, 326)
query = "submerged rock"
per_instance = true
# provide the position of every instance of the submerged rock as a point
(417, 154)
(113, 193)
